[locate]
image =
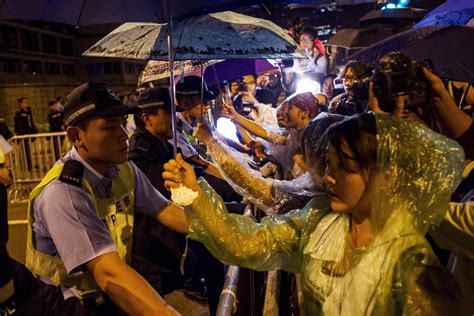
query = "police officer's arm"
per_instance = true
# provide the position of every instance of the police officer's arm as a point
(173, 217)
(126, 287)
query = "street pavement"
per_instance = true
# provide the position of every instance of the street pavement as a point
(17, 214)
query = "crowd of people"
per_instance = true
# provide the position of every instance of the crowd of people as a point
(351, 182)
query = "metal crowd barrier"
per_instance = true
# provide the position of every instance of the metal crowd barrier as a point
(228, 301)
(31, 158)
(228, 304)
(272, 294)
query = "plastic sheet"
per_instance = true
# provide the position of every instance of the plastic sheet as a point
(236, 170)
(396, 274)
(275, 196)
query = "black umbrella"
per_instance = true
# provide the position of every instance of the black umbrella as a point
(398, 16)
(360, 37)
(449, 49)
(91, 12)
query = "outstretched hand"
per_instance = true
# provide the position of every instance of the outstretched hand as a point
(178, 172)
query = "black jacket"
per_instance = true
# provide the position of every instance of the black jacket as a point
(24, 123)
(55, 120)
(157, 250)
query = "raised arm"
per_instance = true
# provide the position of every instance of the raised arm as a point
(253, 127)
(246, 179)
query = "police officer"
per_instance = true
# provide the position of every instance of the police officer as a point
(23, 119)
(157, 250)
(150, 150)
(80, 217)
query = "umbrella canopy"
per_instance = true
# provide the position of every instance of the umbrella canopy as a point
(212, 36)
(448, 48)
(91, 12)
(360, 37)
(232, 69)
(396, 15)
(156, 70)
(452, 12)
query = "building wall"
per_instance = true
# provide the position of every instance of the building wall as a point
(38, 96)
(41, 61)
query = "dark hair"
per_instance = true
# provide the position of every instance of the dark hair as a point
(310, 31)
(297, 24)
(359, 69)
(138, 117)
(51, 103)
(359, 133)
(314, 141)
(20, 100)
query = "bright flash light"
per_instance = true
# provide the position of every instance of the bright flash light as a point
(308, 85)
(227, 128)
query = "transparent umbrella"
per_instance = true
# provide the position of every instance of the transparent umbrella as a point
(212, 36)
(221, 35)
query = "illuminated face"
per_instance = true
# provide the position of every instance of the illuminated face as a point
(233, 87)
(348, 80)
(348, 191)
(295, 116)
(159, 124)
(250, 84)
(104, 140)
(195, 108)
(282, 115)
(306, 42)
(24, 104)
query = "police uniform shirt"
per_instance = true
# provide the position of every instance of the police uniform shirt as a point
(66, 223)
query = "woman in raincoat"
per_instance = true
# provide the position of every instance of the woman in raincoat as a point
(359, 249)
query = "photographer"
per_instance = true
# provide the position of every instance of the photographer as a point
(423, 98)
(270, 81)
(254, 103)
(354, 98)
(456, 232)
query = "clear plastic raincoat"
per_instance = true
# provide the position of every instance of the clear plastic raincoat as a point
(397, 274)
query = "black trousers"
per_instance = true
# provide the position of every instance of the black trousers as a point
(213, 271)
(48, 300)
(5, 266)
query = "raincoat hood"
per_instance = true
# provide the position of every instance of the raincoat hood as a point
(419, 171)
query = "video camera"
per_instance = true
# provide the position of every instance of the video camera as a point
(241, 87)
(398, 75)
(394, 75)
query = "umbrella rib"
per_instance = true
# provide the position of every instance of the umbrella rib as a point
(80, 13)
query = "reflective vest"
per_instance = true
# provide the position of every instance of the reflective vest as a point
(2, 154)
(117, 214)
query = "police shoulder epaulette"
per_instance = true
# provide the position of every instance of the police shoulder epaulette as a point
(73, 172)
